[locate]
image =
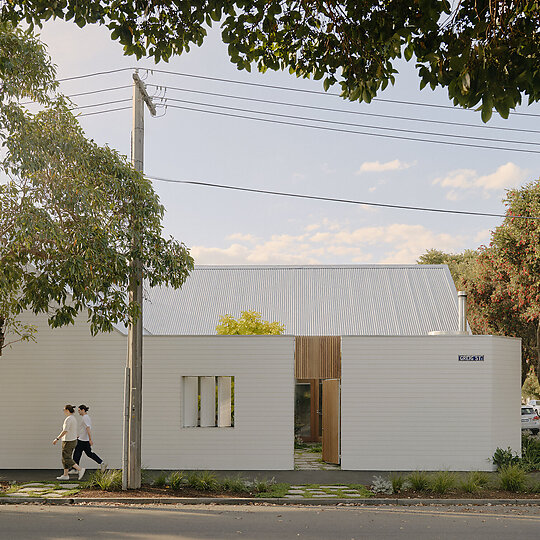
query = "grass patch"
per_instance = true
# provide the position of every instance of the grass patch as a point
(234, 485)
(419, 481)
(275, 491)
(203, 481)
(160, 480)
(442, 482)
(110, 480)
(175, 480)
(512, 478)
(474, 482)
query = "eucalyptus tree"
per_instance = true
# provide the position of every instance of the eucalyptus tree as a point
(68, 209)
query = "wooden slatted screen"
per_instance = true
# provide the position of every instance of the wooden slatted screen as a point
(318, 357)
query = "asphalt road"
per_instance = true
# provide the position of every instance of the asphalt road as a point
(266, 522)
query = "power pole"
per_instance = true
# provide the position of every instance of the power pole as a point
(131, 463)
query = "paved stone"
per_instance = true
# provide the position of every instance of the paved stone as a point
(55, 495)
(295, 491)
(292, 497)
(17, 494)
(31, 489)
(323, 495)
(334, 487)
(35, 484)
(70, 486)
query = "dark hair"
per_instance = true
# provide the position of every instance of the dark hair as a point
(70, 408)
(84, 408)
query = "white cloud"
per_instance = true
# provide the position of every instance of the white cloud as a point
(241, 237)
(328, 243)
(506, 176)
(377, 166)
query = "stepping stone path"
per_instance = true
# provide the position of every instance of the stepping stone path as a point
(310, 461)
(44, 489)
(324, 492)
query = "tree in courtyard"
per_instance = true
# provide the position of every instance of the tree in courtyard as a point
(68, 209)
(249, 322)
(482, 51)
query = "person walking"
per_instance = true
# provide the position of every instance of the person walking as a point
(84, 440)
(69, 442)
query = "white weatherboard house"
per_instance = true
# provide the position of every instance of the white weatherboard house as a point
(359, 347)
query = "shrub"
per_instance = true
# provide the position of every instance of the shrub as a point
(175, 480)
(381, 485)
(442, 482)
(530, 452)
(512, 477)
(419, 481)
(398, 482)
(203, 481)
(474, 482)
(160, 480)
(234, 485)
(263, 486)
(501, 457)
(110, 480)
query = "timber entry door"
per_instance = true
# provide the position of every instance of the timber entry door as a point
(331, 420)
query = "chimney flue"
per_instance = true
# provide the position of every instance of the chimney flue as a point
(462, 311)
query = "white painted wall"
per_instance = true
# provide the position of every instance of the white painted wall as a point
(439, 413)
(263, 432)
(67, 365)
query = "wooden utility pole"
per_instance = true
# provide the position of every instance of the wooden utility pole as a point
(131, 466)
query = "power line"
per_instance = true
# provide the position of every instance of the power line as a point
(100, 104)
(275, 87)
(100, 91)
(97, 73)
(336, 122)
(106, 111)
(330, 109)
(333, 199)
(342, 130)
(315, 92)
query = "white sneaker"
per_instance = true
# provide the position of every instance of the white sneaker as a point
(103, 466)
(63, 477)
(81, 473)
(73, 471)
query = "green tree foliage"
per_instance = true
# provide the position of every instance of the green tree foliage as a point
(484, 52)
(490, 309)
(249, 323)
(68, 209)
(459, 264)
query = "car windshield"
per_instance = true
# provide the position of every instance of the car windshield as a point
(527, 410)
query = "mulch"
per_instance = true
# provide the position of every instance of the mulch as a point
(483, 494)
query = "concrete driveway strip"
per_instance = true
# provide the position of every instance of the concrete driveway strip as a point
(198, 522)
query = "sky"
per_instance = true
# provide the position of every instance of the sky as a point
(231, 227)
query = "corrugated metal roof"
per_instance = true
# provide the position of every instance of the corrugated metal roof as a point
(310, 300)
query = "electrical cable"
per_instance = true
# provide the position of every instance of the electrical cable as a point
(100, 104)
(341, 130)
(343, 111)
(96, 73)
(336, 122)
(106, 111)
(333, 199)
(315, 92)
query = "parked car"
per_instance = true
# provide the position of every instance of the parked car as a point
(530, 419)
(535, 404)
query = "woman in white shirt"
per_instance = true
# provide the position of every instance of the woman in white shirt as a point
(69, 442)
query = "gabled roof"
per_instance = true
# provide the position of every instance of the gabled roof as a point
(309, 300)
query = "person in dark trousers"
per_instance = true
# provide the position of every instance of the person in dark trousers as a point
(84, 440)
(69, 441)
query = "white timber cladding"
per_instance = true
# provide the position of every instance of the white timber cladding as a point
(68, 365)
(191, 401)
(65, 366)
(263, 432)
(440, 413)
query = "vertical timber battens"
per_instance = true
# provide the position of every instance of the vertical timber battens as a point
(318, 357)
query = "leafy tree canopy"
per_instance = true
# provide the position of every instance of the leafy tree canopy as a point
(249, 322)
(68, 209)
(482, 51)
(458, 263)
